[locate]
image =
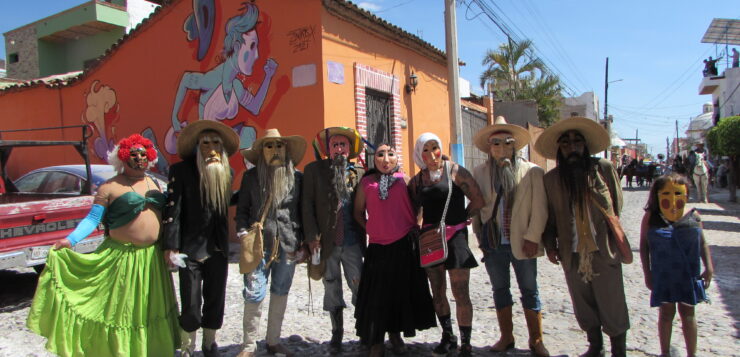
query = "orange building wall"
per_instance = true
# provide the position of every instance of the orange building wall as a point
(425, 110)
(133, 89)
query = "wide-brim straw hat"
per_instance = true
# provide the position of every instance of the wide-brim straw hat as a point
(320, 143)
(187, 141)
(521, 136)
(597, 138)
(295, 147)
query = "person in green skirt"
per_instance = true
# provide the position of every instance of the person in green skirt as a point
(118, 300)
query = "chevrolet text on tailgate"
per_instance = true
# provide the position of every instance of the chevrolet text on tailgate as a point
(46, 204)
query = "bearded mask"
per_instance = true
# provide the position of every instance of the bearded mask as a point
(672, 199)
(274, 152)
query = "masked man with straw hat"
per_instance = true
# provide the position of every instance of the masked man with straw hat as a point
(581, 190)
(328, 224)
(196, 225)
(271, 190)
(509, 227)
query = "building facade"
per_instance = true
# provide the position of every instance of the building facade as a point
(296, 65)
(70, 40)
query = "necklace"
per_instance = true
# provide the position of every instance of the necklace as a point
(133, 180)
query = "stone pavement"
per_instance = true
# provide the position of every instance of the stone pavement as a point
(307, 328)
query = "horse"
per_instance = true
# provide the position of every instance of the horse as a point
(643, 174)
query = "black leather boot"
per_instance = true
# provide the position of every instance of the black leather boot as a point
(619, 345)
(595, 344)
(337, 331)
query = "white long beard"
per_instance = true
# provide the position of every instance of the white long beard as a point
(276, 180)
(215, 183)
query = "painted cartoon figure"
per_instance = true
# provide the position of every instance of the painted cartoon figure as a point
(221, 90)
(101, 112)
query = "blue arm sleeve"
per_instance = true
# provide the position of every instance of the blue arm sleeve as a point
(87, 225)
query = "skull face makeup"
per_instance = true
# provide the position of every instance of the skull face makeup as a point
(274, 152)
(672, 198)
(137, 159)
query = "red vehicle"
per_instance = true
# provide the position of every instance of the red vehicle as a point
(46, 204)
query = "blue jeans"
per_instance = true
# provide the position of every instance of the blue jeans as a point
(497, 265)
(255, 283)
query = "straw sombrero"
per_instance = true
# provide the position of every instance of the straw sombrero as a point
(597, 138)
(296, 147)
(321, 146)
(519, 134)
(188, 138)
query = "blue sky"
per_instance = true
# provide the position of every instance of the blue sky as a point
(654, 47)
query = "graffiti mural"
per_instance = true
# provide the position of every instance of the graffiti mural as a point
(221, 91)
(101, 112)
(199, 25)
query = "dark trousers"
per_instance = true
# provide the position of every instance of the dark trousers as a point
(203, 283)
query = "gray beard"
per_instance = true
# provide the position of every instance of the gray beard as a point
(215, 183)
(339, 178)
(506, 177)
(277, 181)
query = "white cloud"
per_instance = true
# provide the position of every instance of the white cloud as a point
(369, 6)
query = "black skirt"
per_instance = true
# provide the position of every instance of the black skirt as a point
(394, 294)
(459, 255)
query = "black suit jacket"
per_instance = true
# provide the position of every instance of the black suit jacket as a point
(190, 226)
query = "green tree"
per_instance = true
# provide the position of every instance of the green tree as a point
(722, 140)
(546, 92)
(514, 74)
(508, 67)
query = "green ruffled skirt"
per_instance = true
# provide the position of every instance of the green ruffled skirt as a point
(117, 301)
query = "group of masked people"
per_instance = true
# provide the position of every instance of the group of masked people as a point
(350, 222)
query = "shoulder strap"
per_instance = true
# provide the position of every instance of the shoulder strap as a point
(268, 204)
(449, 194)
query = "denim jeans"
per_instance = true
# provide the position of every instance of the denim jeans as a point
(497, 265)
(255, 283)
(350, 257)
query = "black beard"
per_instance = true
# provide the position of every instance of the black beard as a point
(339, 185)
(574, 175)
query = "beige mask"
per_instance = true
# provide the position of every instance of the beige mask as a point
(672, 198)
(274, 152)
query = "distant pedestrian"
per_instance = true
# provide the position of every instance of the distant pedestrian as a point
(671, 246)
(735, 58)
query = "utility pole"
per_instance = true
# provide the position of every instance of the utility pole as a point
(667, 151)
(453, 85)
(606, 101)
(678, 147)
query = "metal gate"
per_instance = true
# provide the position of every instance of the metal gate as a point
(378, 109)
(472, 121)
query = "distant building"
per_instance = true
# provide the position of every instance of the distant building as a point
(723, 87)
(2, 68)
(699, 125)
(69, 40)
(586, 105)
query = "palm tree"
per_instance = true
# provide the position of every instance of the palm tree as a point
(510, 65)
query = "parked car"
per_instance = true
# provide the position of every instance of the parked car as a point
(66, 179)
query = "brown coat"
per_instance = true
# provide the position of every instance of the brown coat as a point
(318, 212)
(559, 231)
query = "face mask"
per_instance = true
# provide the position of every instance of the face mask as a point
(672, 198)
(137, 159)
(274, 152)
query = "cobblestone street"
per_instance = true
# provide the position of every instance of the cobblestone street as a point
(307, 333)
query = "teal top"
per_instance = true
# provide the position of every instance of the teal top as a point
(128, 206)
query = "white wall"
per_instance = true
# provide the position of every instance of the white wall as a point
(138, 10)
(729, 93)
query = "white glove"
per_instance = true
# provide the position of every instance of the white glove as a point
(178, 259)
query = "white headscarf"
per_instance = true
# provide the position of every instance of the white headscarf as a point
(419, 147)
